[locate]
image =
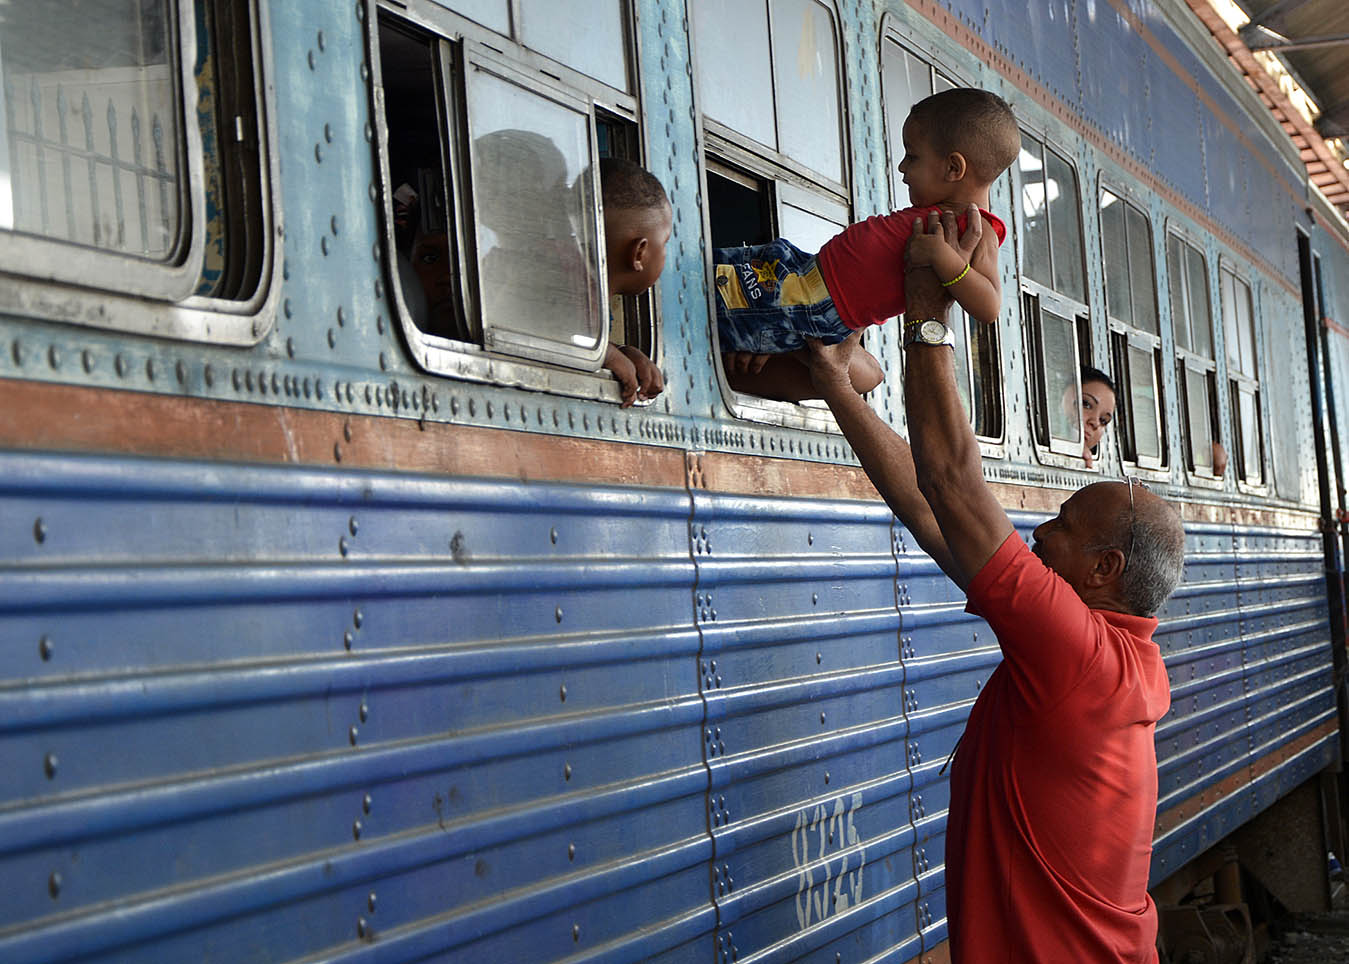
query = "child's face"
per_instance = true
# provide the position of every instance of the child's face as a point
(924, 169)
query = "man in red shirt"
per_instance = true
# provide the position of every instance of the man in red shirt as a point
(1054, 785)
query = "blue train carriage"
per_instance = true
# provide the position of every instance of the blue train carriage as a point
(347, 614)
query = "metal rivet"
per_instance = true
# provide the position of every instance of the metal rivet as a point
(379, 288)
(357, 618)
(16, 350)
(312, 61)
(557, 614)
(352, 525)
(566, 771)
(575, 932)
(364, 711)
(383, 362)
(180, 370)
(337, 451)
(366, 803)
(323, 245)
(54, 357)
(814, 598)
(40, 530)
(328, 134)
(87, 359)
(826, 776)
(318, 155)
(150, 369)
(342, 546)
(361, 927)
(44, 648)
(810, 539)
(347, 639)
(370, 902)
(120, 364)
(563, 692)
(352, 734)
(332, 224)
(821, 717)
(552, 535)
(571, 851)
(49, 764)
(346, 434)
(54, 885)
(356, 828)
(819, 657)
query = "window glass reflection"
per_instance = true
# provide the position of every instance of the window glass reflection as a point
(584, 34)
(536, 230)
(732, 38)
(92, 127)
(805, 55)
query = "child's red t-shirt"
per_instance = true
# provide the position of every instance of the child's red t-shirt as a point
(863, 266)
(1054, 784)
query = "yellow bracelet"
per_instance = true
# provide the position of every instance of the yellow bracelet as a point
(956, 279)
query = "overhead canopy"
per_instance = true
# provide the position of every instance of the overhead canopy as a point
(1312, 38)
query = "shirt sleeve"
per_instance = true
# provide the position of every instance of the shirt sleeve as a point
(1048, 636)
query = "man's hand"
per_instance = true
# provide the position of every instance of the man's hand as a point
(828, 364)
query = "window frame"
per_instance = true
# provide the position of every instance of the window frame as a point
(1189, 362)
(1125, 335)
(1034, 298)
(716, 144)
(460, 43)
(101, 289)
(990, 445)
(1251, 383)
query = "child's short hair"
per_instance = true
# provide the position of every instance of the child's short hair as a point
(976, 123)
(628, 185)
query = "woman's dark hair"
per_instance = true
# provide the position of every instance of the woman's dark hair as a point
(1090, 374)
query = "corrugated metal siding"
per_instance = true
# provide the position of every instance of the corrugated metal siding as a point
(275, 698)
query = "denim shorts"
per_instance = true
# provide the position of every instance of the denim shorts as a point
(770, 298)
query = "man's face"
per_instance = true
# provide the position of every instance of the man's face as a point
(1061, 543)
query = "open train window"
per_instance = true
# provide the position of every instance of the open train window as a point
(1053, 288)
(906, 79)
(1243, 377)
(775, 161)
(1136, 344)
(1192, 323)
(134, 166)
(490, 166)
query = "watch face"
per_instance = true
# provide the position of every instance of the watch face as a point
(932, 332)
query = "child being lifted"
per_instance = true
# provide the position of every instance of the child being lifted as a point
(771, 297)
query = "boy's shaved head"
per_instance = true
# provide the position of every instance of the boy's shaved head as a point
(976, 123)
(628, 185)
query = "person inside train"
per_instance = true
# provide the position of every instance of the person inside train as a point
(1054, 782)
(1098, 409)
(637, 226)
(772, 296)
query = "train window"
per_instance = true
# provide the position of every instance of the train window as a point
(907, 79)
(1192, 324)
(1242, 374)
(490, 167)
(1053, 294)
(1136, 344)
(774, 161)
(1052, 253)
(133, 161)
(787, 51)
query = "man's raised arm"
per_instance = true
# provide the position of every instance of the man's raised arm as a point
(885, 457)
(945, 452)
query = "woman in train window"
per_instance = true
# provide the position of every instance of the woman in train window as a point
(1098, 409)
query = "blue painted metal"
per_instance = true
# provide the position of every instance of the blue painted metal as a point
(344, 715)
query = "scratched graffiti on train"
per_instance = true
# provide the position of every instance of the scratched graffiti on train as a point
(829, 857)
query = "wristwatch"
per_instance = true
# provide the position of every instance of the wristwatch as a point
(928, 331)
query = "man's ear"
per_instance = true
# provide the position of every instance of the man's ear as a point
(634, 253)
(956, 166)
(1108, 568)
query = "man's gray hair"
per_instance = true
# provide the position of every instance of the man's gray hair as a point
(1157, 561)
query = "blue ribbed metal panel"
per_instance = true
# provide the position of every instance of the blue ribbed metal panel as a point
(805, 731)
(275, 698)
